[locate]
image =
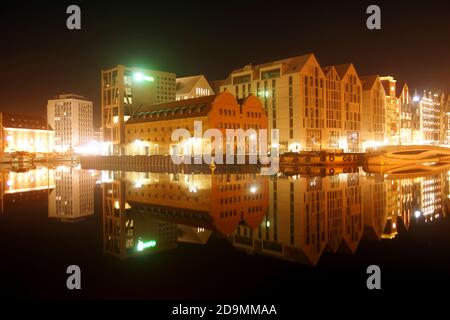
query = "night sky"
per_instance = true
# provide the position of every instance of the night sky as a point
(41, 58)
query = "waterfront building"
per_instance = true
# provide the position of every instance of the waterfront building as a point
(313, 108)
(193, 87)
(373, 125)
(351, 98)
(71, 117)
(293, 95)
(19, 132)
(333, 104)
(149, 131)
(408, 116)
(124, 91)
(430, 118)
(446, 119)
(392, 110)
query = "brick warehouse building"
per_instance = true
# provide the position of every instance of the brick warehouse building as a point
(149, 130)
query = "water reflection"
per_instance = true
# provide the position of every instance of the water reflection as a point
(178, 207)
(19, 187)
(295, 218)
(69, 190)
(72, 199)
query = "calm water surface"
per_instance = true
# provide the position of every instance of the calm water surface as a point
(189, 236)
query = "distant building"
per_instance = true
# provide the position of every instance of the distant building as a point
(71, 116)
(124, 91)
(148, 132)
(20, 132)
(430, 118)
(373, 130)
(446, 119)
(193, 87)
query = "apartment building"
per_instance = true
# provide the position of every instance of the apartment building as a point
(446, 119)
(71, 117)
(373, 117)
(313, 108)
(429, 106)
(408, 117)
(392, 110)
(351, 97)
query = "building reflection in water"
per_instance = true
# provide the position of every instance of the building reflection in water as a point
(72, 199)
(69, 191)
(293, 218)
(180, 208)
(24, 186)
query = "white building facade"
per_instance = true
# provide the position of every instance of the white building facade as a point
(71, 117)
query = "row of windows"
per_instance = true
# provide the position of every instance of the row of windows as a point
(227, 112)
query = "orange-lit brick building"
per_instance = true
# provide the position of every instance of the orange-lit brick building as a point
(149, 130)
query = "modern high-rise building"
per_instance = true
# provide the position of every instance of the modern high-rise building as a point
(373, 124)
(71, 116)
(313, 108)
(193, 87)
(124, 91)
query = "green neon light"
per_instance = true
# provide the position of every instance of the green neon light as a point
(138, 76)
(144, 245)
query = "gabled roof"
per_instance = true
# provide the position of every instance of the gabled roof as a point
(174, 109)
(289, 65)
(368, 81)
(328, 69)
(399, 89)
(23, 121)
(342, 69)
(186, 84)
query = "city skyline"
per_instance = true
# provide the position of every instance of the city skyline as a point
(74, 63)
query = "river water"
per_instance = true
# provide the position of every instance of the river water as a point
(224, 235)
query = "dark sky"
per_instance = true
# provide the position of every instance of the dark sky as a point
(40, 58)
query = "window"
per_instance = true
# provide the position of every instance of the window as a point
(275, 73)
(241, 79)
